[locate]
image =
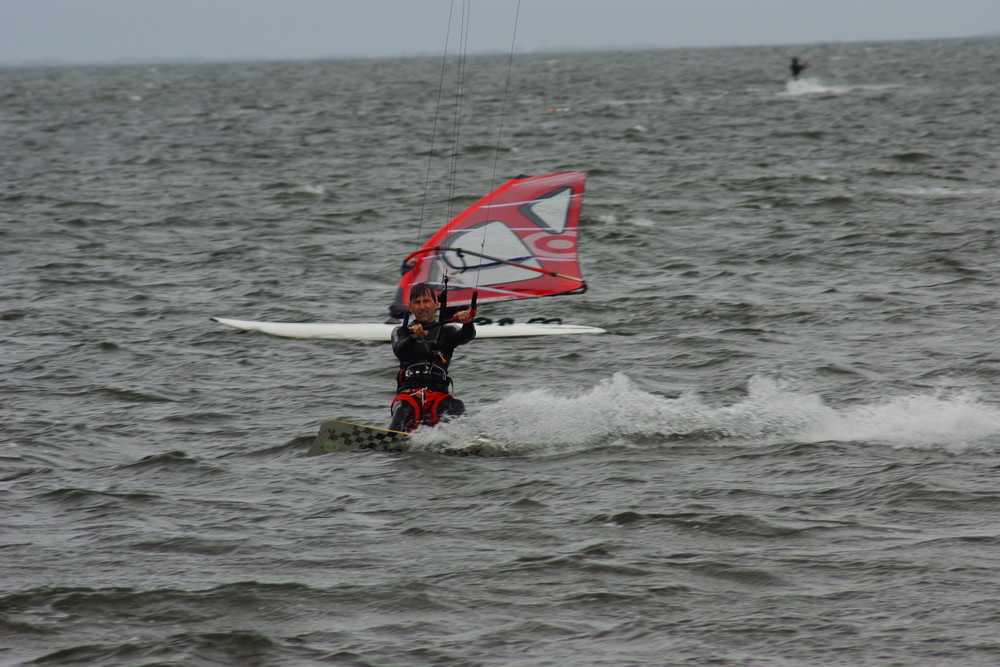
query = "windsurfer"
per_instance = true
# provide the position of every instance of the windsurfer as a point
(797, 66)
(424, 350)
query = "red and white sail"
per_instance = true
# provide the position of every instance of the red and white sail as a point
(518, 242)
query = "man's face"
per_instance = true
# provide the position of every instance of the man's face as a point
(423, 307)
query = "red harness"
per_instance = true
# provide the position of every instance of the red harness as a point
(425, 403)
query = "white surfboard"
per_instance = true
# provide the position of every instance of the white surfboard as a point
(381, 332)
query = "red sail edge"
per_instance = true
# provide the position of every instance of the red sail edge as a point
(518, 242)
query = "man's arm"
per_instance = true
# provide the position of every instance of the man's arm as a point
(401, 341)
(466, 317)
(460, 335)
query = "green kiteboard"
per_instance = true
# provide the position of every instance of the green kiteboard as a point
(337, 435)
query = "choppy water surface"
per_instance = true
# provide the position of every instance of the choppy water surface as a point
(784, 453)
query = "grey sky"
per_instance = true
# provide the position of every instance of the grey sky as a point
(100, 30)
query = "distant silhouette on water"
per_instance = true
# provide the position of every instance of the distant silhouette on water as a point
(797, 66)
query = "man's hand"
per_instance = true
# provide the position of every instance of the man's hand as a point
(463, 316)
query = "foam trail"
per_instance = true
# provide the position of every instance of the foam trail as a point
(617, 412)
(954, 423)
(814, 86)
(808, 86)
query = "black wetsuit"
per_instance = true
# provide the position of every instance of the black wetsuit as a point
(423, 364)
(797, 67)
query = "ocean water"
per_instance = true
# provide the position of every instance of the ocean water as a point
(784, 452)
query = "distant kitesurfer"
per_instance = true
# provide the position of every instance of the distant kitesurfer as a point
(424, 350)
(797, 66)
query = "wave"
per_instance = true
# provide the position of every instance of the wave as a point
(616, 412)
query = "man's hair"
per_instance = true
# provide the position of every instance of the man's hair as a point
(421, 289)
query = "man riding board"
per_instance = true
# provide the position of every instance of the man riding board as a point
(424, 350)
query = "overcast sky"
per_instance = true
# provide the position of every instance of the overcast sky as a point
(102, 30)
